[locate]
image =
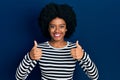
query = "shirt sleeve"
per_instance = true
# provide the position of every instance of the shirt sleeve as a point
(25, 67)
(89, 67)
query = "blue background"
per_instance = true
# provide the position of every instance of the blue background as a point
(97, 30)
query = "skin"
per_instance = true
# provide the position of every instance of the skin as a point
(57, 29)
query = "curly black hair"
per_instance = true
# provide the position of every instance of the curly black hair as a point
(53, 10)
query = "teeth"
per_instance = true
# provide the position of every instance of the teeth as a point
(57, 35)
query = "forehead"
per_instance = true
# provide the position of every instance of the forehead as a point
(57, 20)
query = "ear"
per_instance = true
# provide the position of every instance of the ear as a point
(66, 29)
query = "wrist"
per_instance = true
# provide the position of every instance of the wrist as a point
(81, 58)
(28, 57)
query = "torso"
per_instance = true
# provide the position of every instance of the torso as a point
(57, 63)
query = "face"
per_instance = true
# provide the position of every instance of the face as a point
(57, 29)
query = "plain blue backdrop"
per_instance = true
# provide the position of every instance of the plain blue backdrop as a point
(98, 30)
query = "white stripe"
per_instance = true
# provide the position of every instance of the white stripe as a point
(21, 75)
(58, 61)
(57, 65)
(55, 50)
(57, 58)
(57, 72)
(90, 67)
(25, 62)
(50, 68)
(52, 78)
(62, 53)
(57, 75)
(18, 77)
(22, 67)
(21, 70)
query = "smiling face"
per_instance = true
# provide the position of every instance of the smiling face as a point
(57, 29)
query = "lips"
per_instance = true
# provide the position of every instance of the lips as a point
(56, 35)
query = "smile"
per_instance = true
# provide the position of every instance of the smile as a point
(57, 35)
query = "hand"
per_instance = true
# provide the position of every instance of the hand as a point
(77, 53)
(35, 53)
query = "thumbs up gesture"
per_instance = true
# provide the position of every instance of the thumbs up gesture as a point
(77, 53)
(35, 53)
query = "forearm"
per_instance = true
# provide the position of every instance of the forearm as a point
(89, 67)
(25, 68)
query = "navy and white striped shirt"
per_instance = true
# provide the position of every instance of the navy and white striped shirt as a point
(56, 64)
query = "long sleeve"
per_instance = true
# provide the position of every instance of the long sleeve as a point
(89, 67)
(25, 67)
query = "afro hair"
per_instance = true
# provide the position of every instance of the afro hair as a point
(53, 10)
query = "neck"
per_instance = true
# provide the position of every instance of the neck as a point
(58, 44)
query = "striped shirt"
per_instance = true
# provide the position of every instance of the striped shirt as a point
(56, 64)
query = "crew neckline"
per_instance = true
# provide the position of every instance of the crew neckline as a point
(58, 48)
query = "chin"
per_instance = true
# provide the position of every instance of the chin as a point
(57, 39)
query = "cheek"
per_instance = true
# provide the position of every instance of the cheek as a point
(65, 31)
(50, 30)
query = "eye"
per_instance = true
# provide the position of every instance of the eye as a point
(51, 26)
(62, 26)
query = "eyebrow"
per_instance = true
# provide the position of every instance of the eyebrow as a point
(54, 24)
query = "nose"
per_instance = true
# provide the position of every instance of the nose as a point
(56, 29)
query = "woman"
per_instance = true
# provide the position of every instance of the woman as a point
(57, 57)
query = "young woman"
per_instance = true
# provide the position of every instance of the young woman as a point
(57, 57)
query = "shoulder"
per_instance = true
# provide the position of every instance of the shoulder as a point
(71, 44)
(43, 44)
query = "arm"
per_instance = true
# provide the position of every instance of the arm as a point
(28, 62)
(84, 60)
(25, 67)
(89, 67)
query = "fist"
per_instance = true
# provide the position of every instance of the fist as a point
(35, 53)
(77, 53)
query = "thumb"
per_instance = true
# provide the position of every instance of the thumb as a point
(35, 44)
(77, 44)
